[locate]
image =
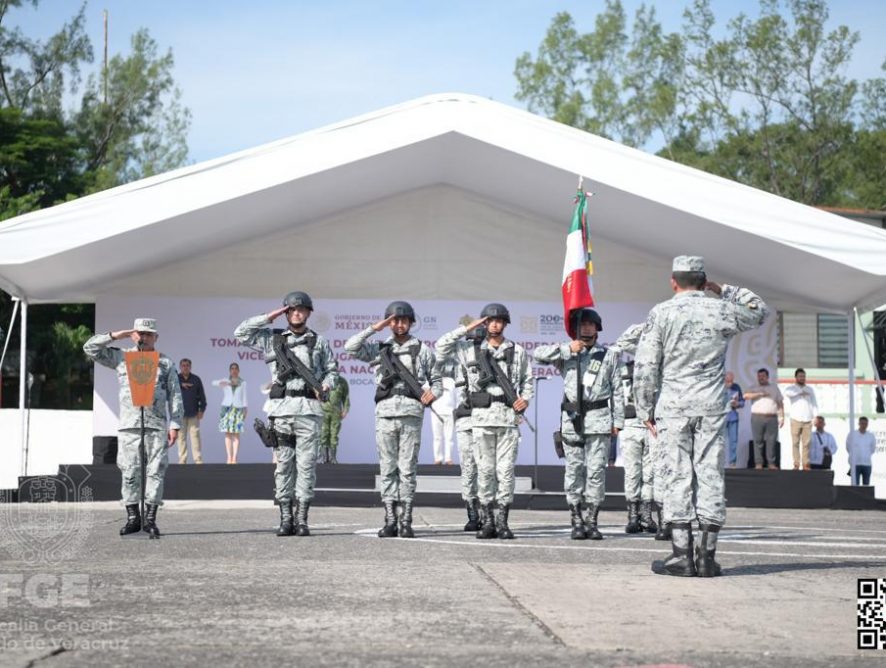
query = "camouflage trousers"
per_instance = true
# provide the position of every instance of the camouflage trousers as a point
(495, 449)
(129, 463)
(658, 467)
(585, 474)
(468, 461)
(296, 470)
(694, 451)
(329, 432)
(636, 455)
(398, 440)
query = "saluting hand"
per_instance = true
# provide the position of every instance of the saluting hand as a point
(713, 287)
(277, 312)
(381, 324)
(477, 323)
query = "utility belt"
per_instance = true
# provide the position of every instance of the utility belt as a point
(270, 437)
(279, 391)
(384, 393)
(485, 399)
(572, 406)
(461, 412)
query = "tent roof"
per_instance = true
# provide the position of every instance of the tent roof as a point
(799, 257)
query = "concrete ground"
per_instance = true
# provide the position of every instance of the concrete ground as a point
(221, 587)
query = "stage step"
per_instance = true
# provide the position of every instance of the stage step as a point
(357, 485)
(450, 484)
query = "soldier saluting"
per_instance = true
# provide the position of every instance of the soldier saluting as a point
(591, 413)
(304, 369)
(680, 361)
(159, 435)
(499, 386)
(406, 380)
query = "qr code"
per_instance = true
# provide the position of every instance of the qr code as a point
(871, 614)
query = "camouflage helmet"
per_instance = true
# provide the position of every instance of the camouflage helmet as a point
(400, 309)
(590, 315)
(495, 310)
(294, 299)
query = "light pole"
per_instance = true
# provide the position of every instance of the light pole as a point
(538, 379)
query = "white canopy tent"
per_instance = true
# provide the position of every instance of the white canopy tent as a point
(486, 190)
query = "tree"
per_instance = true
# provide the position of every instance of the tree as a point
(50, 153)
(768, 104)
(138, 131)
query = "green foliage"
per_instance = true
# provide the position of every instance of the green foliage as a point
(767, 104)
(51, 154)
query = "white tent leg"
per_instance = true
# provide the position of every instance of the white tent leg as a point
(851, 356)
(23, 385)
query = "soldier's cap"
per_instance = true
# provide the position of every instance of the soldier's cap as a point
(688, 263)
(145, 325)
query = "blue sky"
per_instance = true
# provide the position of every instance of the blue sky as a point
(252, 72)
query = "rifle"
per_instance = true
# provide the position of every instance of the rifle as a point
(290, 366)
(394, 369)
(510, 394)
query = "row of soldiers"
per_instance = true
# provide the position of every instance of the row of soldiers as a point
(674, 458)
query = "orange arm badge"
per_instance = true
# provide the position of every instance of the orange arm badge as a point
(141, 368)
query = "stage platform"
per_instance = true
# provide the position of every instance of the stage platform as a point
(354, 485)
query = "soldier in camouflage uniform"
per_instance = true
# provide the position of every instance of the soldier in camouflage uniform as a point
(294, 409)
(468, 458)
(334, 411)
(399, 410)
(637, 449)
(158, 435)
(679, 371)
(588, 367)
(494, 420)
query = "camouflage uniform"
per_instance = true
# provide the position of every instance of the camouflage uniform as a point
(679, 372)
(398, 418)
(339, 402)
(299, 416)
(636, 446)
(587, 453)
(464, 439)
(167, 397)
(494, 429)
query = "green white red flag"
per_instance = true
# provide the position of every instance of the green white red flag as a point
(578, 269)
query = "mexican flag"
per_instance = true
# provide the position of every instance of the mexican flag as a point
(578, 287)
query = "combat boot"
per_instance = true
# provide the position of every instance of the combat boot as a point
(664, 529)
(504, 531)
(591, 522)
(487, 521)
(633, 525)
(646, 522)
(285, 518)
(706, 550)
(133, 520)
(578, 525)
(389, 530)
(150, 523)
(680, 563)
(473, 523)
(301, 518)
(406, 521)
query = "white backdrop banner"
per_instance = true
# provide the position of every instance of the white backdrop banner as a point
(202, 330)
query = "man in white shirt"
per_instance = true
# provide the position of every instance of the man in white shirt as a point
(803, 409)
(767, 417)
(822, 446)
(861, 445)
